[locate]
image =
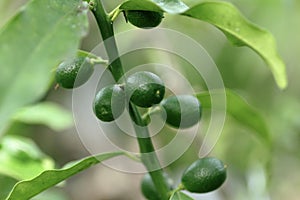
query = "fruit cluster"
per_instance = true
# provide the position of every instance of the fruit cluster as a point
(145, 89)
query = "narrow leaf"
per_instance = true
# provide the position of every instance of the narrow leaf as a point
(33, 42)
(29, 188)
(180, 196)
(45, 113)
(21, 158)
(241, 32)
(238, 108)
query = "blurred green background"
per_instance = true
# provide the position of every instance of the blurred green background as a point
(254, 172)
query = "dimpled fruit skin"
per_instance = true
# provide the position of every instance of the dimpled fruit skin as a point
(182, 111)
(145, 89)
(75, 69)
(204, 175)
(148, 188)
(109, 103)
(144, 19)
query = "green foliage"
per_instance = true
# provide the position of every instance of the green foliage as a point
(6, 184)
(229, 20)
(21, 159)
(29, 188)
(33, 42)
(45, 113)
(169, 6)
(238, 108)
(241, 32)
(6, 11)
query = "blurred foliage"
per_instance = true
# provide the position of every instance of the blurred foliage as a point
(240, 110)
(21, 159)
(45, 113)
(6, 184)
(27, 42)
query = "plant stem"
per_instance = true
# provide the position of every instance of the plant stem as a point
(148, 155)
(107, 33)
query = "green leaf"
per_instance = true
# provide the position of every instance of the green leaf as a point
(7, 10)
(29, 188)
(226, 17)
(6, 183)
(169, 6)
(33, 42)
(21, 159)
(241, 32)
(239, 109)
(180, 196)
(45, 113)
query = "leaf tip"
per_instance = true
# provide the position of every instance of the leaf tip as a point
(281, 76)
(283, 83)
